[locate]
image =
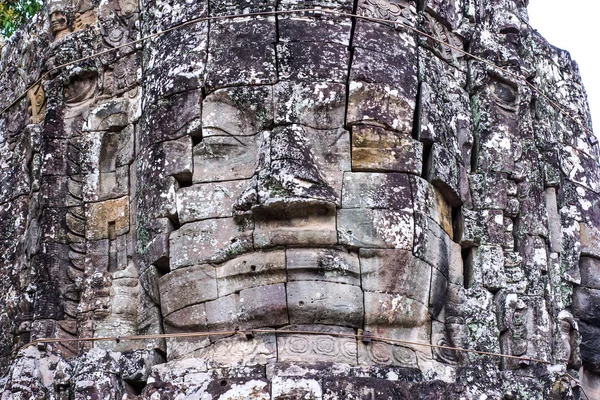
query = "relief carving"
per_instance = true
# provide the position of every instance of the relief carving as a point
(37, 101)
(393, 10)
(59, 24)
(438, 30)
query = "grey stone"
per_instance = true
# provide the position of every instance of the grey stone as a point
(251, 270)
(380, 150)
(187, 286)
(395, 271)
(327, 303)
(376, 191)
(362, 227)
(329, 265)
(213, 240)
(263, 306)
(208, 200)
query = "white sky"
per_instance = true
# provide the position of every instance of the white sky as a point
(574, 26)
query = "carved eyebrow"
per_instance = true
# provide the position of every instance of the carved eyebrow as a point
(227, 133)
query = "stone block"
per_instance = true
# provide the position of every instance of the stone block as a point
(430, 202)
(313, 61)
(208, 200)
(487, 268)
(362, 227)
(318, 302)
(381, 105)
(589, 269)
(191, 318)
(533, 217)
(384, 38)
(295, 388)
(481, 227)
(176, 158)
(263, 306)
(586, 304)
(395, 271)
(377, 67)
(443, 173)
(590, 342)
(170, 118)
(108, 116)
(488, 191)
(237, 66)
(242, 32)
(14, 218)
(377, 149)
(534, 252)
(394, 311)
(208, 241)
(224, 158)
(432, 244)
(238, 111)
(329, 265)
(156, 199)
(299, 28)
(590, 240)
(152, 242)
(317, 348)
(251, 270)
(554, 225)
(166, 54)
(110, 217)
(187, 286)
(580, 168)
(320, 105)
(377, 191)
(275, 226)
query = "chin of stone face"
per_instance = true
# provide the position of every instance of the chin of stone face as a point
(296, 205)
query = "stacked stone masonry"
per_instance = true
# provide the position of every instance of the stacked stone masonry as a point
(301, 171)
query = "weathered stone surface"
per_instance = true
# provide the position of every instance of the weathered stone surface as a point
(364, 190)
(395, 271)
(330, 265)
(250, 308)
(308, 182)
(327, 303)
(213, 240)
(238, 111)
(317, 348)
(295, 223)
(208, 200)
(187, 286)
(363, 227)
(247, 271)
(223, 158)
(324, 109)
(379, 150)
(429, 201)
(317, 62)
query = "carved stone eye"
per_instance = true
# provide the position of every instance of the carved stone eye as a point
(505, 95)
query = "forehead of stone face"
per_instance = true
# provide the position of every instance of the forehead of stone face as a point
(59, 7)
(504, 21)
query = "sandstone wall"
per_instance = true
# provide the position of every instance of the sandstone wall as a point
(301, 171)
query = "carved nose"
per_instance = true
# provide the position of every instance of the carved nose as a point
(287, 181)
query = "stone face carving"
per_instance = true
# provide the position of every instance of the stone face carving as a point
(59, 24)
(328, 180)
